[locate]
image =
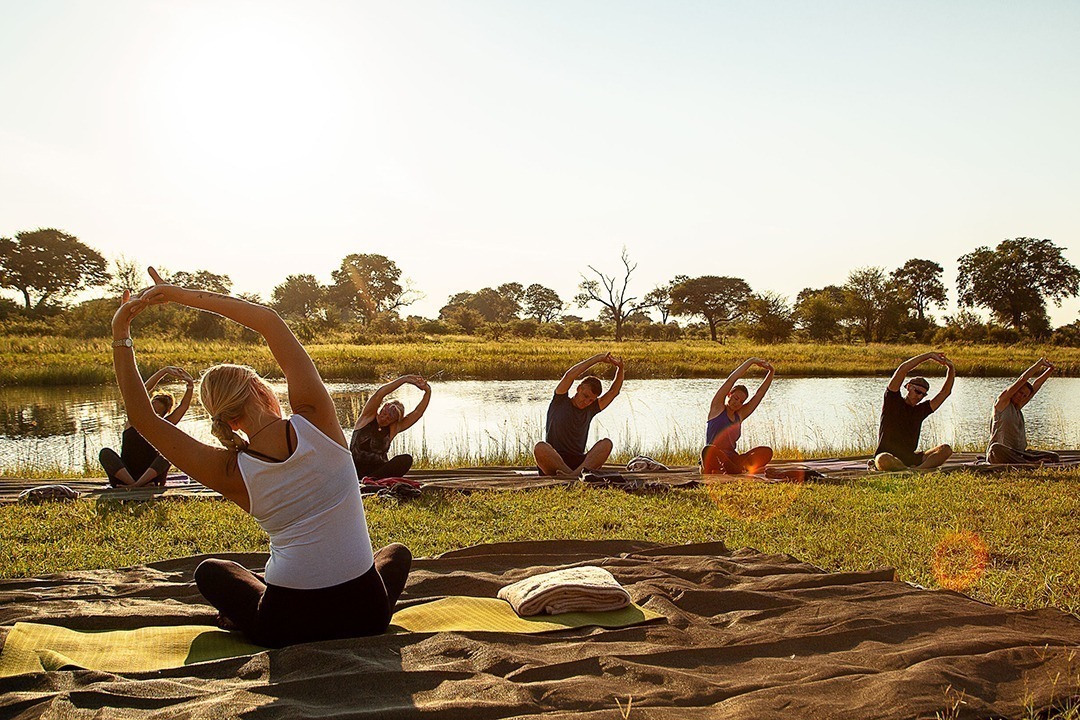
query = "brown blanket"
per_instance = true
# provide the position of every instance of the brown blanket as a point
(747, 635)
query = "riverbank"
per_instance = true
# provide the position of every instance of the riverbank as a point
(1008, 540)
(30, 361)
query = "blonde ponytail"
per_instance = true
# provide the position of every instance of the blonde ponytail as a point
(225, 391)
(227, 436)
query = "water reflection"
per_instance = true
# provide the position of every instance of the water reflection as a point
(66, 427)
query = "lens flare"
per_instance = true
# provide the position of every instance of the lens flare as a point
(751, 500)
(959, 560)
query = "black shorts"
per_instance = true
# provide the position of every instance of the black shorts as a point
(572, 460)
(911, 459)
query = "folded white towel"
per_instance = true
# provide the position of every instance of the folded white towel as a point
(579, 589)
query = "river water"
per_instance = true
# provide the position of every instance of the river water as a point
(64, 428)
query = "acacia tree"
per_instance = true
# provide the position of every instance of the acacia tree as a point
(659, 298)
(611, 292)
(49, 264)
(769, 318)
(1014, 280)
(367, 285)
(921, 280)
(542, 303)
(720, 300)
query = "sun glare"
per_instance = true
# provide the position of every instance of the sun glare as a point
(243, 99)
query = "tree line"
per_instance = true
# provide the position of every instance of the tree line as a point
(1013, 281)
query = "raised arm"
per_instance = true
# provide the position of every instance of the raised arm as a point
(763, 388)
(418, 412)
(616, 384)
(185, 402)
(946, 388)
(1041, 366)
(153, 380)
(212, 466)
(1038, 382)
(717, 404)
(371, 407)
(577, 371)
(307, 394)
(897, 379)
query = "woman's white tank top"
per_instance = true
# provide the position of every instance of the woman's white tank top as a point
(310, 506)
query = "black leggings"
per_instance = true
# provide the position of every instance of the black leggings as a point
(113, 464)
(396, 466)
(275, 616)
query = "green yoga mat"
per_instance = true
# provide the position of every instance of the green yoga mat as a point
(33, 647)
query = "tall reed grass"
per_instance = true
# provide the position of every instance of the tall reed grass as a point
(68, 361)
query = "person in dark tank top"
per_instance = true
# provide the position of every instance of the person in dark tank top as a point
(568, 418)
(138, 463)
(379, 423)
(729, 407)
(902, 418)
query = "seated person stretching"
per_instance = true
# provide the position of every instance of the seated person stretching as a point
(377, 426)
(902, 418)
(568, 419)
(138, 463)
(728, 409)
(1008, 435)
(294, 475)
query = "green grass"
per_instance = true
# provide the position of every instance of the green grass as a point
(67, 361)
(1027, 523)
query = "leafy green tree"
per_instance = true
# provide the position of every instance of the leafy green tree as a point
(300, 296)
(489, 303)
(819, 313)
(50, 265)
(368, 284)
(611, 291)
(541, 303)
(719, 300)
(921, 280)
(873, 303)
(769, 318)
(1014, 280)
(203, 280)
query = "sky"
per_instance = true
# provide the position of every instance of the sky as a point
(477, 142)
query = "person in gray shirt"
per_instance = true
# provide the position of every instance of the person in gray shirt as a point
(1008, 435)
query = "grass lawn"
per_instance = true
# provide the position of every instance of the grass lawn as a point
(1008, 540)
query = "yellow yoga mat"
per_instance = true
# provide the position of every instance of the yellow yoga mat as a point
(33, 647)
(463, 614)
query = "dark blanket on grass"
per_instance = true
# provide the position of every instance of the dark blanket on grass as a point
(747, 635)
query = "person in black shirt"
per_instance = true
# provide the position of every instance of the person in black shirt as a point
(139, 463)
(568, 418)
(377, 426)
(902, 417)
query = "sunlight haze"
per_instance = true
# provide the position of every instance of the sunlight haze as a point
(481, 142)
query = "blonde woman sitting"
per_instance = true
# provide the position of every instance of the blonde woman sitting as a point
(294, 475)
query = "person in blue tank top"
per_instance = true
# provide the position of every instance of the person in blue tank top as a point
(730, 406)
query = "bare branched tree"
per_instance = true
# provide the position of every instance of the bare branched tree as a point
(611, 292)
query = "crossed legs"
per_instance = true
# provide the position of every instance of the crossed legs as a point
(552, 463)
(932, 458)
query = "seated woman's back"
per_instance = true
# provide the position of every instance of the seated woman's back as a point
(310, 506)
